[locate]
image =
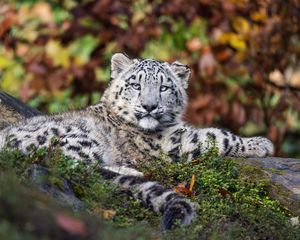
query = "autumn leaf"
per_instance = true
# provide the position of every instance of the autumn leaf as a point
(277, 77)
(107, 214)
(182, 187)
(192, 183)
(240, 25)
(82, 48)
(5, 62)
(71, 225)
(207, 62)
(234, 40)
(57, 53)
(258, 16)
(224, 55)
(194, 44)
(293, 77)
(5, 23)
(238, 43)
(22, 50)
(14, 74)
(25, 92)
(43, 11)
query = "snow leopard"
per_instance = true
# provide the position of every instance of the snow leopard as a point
(139, 117)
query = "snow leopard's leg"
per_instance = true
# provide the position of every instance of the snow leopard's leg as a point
(174, 207)
(194, 142)
(236, 146)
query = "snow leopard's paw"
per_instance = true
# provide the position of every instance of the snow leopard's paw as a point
(259, 147)
(178, 211)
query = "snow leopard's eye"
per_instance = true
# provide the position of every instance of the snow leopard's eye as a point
(136, 86)
(163, 88)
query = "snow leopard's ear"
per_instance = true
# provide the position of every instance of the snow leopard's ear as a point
(182, 71)
(119, 63)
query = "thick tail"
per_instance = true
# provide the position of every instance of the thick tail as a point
(174, 207)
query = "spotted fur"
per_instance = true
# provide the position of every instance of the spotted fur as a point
(138, 118)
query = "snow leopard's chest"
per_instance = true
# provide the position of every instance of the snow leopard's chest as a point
(128, 146)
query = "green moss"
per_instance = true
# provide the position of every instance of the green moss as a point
(233, 204)
(282, 194)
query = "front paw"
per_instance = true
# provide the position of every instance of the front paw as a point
(259, 147)
(178, 212)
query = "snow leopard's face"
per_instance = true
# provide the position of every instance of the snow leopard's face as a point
(148, 93)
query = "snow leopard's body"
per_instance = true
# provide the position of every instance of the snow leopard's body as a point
(139, 118)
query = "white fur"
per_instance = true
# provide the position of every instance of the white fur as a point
(148, 123)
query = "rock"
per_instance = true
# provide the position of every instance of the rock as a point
(18, 106)
(282, 176)
(64, 194)
(13, 110)
(29, 214)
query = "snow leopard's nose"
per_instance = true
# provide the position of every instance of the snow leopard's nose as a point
(150, 107)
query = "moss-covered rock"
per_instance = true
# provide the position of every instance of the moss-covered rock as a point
(281, 175)
(28, 214)
(233, 202)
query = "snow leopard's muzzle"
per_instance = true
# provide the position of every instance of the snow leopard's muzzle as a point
(149, 116)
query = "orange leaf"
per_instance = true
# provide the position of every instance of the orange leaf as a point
(224, 55)
(194, 44)
(259, 16)
(181, 188)
(8, 21)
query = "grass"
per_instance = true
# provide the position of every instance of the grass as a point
(231, 205)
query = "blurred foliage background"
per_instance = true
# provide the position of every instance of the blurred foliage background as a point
(244, 56)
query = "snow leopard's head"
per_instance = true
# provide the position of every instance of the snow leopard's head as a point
(147, 93)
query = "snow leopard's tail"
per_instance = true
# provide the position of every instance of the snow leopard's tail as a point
(174, 207)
